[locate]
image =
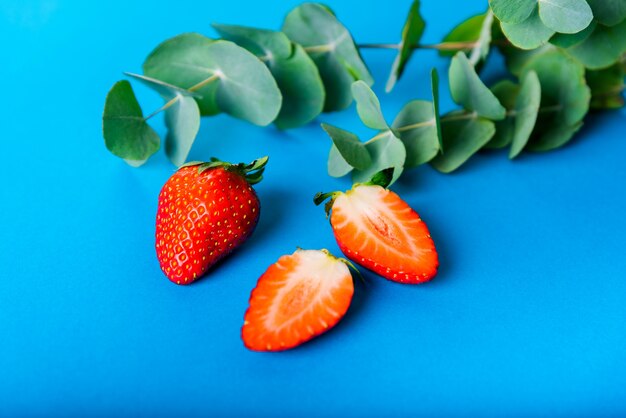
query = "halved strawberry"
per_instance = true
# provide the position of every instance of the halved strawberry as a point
(299, 297)
(375, 228)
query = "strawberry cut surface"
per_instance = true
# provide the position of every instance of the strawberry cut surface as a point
(299, 297)
(375, 228)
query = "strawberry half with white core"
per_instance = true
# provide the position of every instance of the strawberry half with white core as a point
(375, 228)
(205, 211)
(299, 297)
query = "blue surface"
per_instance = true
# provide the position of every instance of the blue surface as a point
(526, 317)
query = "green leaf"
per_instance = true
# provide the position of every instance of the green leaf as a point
(566, 40)
(229, 78)
(181, 61)
(332, 48)
(607, 86)
(386, 151)
(564, 99)
(126, 133)
(512, 11)
(506, 91)
(602, 48)
(463, 135)
(469, 91)
(434, 85)
(351, 149)
(411, 34)
(516, 58)
(528, 34)
(166, 90)
(565, 16)
(475, 30)
(526, 110)
(608, 12)
(416, 127)
(295, 72)
(183, 122)
(368, 106)
(337, 165)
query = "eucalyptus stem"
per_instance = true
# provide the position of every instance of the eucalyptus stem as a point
(443, 46)
(167, 105)
(175, 99)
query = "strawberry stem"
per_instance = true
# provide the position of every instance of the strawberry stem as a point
(321, 197)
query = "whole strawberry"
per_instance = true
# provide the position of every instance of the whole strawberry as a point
(205, 211)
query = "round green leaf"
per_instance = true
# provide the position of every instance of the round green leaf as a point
(411, 34)
(126, 133)
(241, 86)
(602, 48)
(516, 58)
(512, 11)
(468, 90)
(526, 110)
(368, 106)
(463, 135)
(349, 146)
(476, 30)
(337, 165)
(566, 40)
(183, 122)
(332, 48)
(386, 151)
(182, 61)
(606, 87)
(295, 72)
(564, 99)
(608, 12)
(528, 34)
(506, 91)
(565, 16)
(416, 127)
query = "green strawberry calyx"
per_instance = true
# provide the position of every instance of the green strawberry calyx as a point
(253, 172)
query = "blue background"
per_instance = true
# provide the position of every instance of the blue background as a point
(526, 317)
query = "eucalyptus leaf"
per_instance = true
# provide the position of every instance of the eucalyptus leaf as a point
(463, 135)
(416, 127)
(228, 77)
(567, 40)
(434, 85)
(506, 91)
(526, 110)
(602, 48)
(607, 87)
(475, 30)
(337, 165)
(386, 151)
(468, 90)
(332, 48)
(565, 16)
(126, 133)
(295, 72)
(411, 34)
(608, 12)
(516, 58)
(349, 146)
(183, 122)
(368, 106)
(515, 11)
(165, 90)
(528, 34)
(564, 99)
